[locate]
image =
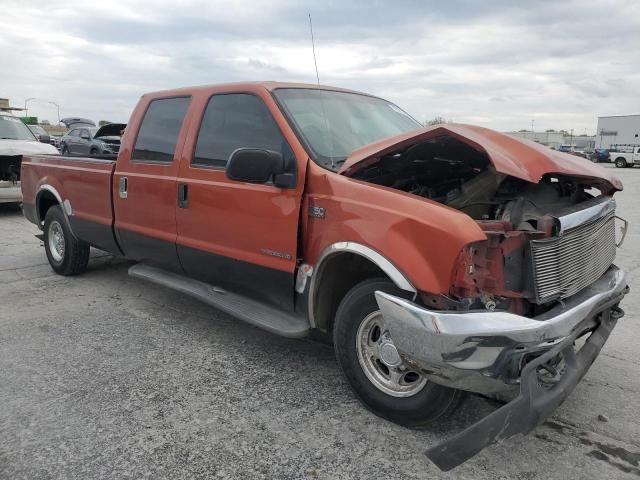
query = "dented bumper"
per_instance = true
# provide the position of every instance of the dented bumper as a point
(493, 351)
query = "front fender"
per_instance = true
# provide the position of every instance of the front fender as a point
(421, 238)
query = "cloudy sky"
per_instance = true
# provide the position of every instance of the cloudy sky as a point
(499, 64)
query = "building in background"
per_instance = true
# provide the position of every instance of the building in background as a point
(555, 139)
(550, 139)
(618, 129)
(6, 108)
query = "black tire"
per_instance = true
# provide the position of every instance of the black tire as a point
(73, 258)
(621, 162)
(418, 410)
(94, 151)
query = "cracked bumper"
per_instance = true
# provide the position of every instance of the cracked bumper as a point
(493, 351)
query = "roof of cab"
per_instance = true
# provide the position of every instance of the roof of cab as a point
(240, 86)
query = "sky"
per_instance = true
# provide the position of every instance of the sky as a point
(499, 64)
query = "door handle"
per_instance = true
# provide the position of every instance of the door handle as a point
(124, 184)
(183, 195)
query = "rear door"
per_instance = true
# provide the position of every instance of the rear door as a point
(239, 236)
(145, 183)
(71, 140)
(84, 141)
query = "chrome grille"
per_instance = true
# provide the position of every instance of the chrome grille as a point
(564, 265)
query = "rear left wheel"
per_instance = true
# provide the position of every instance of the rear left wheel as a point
(383, 381)
(66, 254)
(621, 162)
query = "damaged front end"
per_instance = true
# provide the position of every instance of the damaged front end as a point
(520, 301)
(10, 191)
(10, 168)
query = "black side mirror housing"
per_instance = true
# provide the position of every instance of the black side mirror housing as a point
(44, 138)
(285, 180)
(256, 165)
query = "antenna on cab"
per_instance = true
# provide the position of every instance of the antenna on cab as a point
(313, 49)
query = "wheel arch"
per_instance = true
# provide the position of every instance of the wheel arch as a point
(48, 197)
(341, 266)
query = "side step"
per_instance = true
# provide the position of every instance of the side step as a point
(263, 316)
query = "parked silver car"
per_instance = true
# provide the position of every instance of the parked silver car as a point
(87, 140)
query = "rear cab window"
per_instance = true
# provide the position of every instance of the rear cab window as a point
(159, 130)
(232, 121)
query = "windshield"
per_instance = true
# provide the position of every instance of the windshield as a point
(12, 128)
(333, 124)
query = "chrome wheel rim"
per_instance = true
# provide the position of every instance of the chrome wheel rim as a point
(56, 241)
(381, 362)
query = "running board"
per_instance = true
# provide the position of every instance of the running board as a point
(258, 314)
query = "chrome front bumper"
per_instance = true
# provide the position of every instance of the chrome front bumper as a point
(10, 192)
(483, 351)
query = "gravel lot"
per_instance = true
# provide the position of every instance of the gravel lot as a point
(104, 376)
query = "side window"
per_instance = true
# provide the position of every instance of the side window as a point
(232, 121)
(159, 130)
(84, 132)
(74, 133)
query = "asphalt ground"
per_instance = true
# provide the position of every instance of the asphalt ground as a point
(106, 376)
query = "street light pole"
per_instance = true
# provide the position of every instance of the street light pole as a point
(58, 109)
(26, 112)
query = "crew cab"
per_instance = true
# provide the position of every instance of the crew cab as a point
(626, 156)
(440, 260)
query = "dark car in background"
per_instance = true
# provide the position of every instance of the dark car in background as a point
(40, 133)
(85, 140)
(601, 155)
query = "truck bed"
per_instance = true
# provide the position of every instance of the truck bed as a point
(84, 187)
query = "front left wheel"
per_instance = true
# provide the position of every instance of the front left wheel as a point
(380, 377)
(66, 254)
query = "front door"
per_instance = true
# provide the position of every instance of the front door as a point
(84, 141)
(239, 236)
(145, 184)
(71, 141)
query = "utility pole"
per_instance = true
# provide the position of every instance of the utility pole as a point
(26, 112)
(57, 108)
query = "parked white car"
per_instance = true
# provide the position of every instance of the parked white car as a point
(16, 140)
(627, 157)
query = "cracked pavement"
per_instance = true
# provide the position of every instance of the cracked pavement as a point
(105, 376)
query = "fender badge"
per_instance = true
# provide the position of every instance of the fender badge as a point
(274, 253)
(317, 212)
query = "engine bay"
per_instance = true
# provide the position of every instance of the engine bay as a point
(449, 171)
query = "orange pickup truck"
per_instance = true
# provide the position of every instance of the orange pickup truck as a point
(441, 260)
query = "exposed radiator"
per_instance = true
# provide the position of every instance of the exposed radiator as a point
(564, 265)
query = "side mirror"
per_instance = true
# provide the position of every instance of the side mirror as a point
(44, 138)
(255, 165)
